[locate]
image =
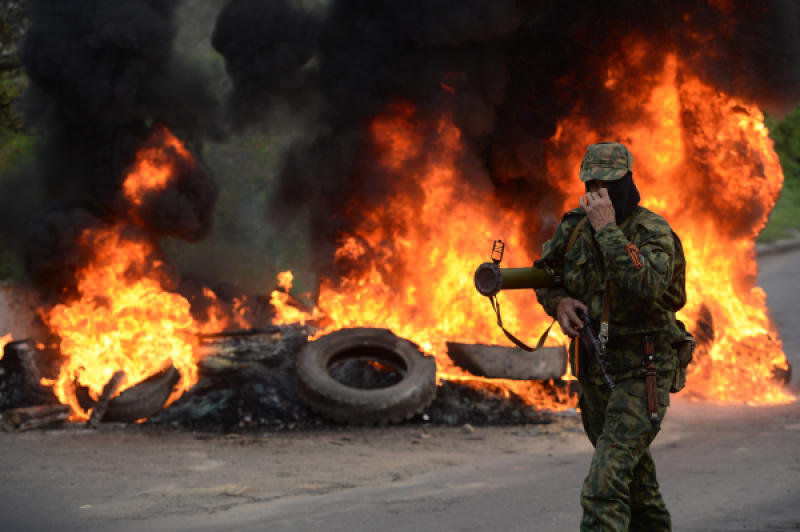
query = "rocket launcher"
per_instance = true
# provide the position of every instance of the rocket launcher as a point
(490, 278)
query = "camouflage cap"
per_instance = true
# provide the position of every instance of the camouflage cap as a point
(606, 161)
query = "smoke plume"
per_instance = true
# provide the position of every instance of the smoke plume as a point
(505, 71)
(103, 81)
(104, 77)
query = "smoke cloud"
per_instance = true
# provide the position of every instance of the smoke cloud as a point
(104, 76)
(103, 80)
(505, 71)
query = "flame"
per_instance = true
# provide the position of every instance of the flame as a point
(704, 161)
(695, 148)
(220, 316)
(437, 301)
(123, 320)
(155, 166)
(4, 340)
(289, 312)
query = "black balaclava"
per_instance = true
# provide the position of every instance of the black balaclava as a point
(624, 197)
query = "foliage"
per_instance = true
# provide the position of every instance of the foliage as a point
(15, 146)
(785, 217)
(784, 220)
(786, 135)
(16, 151)
(13, 23)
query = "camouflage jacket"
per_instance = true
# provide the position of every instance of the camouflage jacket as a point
(639, 301)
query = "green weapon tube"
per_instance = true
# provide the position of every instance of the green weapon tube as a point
(491, 278)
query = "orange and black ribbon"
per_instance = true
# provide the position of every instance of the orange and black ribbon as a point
(633, 253)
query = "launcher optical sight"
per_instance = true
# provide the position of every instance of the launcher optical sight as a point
(490, 278)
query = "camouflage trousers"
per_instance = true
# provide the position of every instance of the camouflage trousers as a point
(621, 492)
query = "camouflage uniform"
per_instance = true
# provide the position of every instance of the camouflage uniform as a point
(621, 491)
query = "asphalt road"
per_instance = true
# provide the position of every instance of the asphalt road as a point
(721, 468)
(727, 469)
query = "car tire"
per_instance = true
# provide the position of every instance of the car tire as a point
(339, 402)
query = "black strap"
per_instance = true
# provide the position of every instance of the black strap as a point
(519, 343)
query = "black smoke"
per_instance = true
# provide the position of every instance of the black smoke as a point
(104, 82)
(506, 72)
(366, 54)
(104, 77)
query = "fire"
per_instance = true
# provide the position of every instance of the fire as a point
(280, 299)
(703, 160)
(154, 166)
(124, 318)
(4, 340)
(445, 237)
(219, 316)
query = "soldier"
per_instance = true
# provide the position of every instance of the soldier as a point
(625, 268)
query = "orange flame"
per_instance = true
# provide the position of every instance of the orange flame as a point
(123, 320)
(690, 142)
(696, 150)
(289, 313)
(4, 340)
(437, 302)
(154, 166)
(220, 316)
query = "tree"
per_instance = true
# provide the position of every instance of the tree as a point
(786, 135)
(13, 24)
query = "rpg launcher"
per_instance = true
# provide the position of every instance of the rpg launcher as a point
(490, 278)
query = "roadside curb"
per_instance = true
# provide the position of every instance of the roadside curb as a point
(779, 246)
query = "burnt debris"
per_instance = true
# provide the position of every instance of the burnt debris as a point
(105, 81)
(22, 367)
(249, 384)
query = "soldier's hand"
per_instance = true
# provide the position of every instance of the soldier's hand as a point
(566, 314)
(599, 209)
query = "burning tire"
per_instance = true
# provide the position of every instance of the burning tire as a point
(411, 377)
(140, 401)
